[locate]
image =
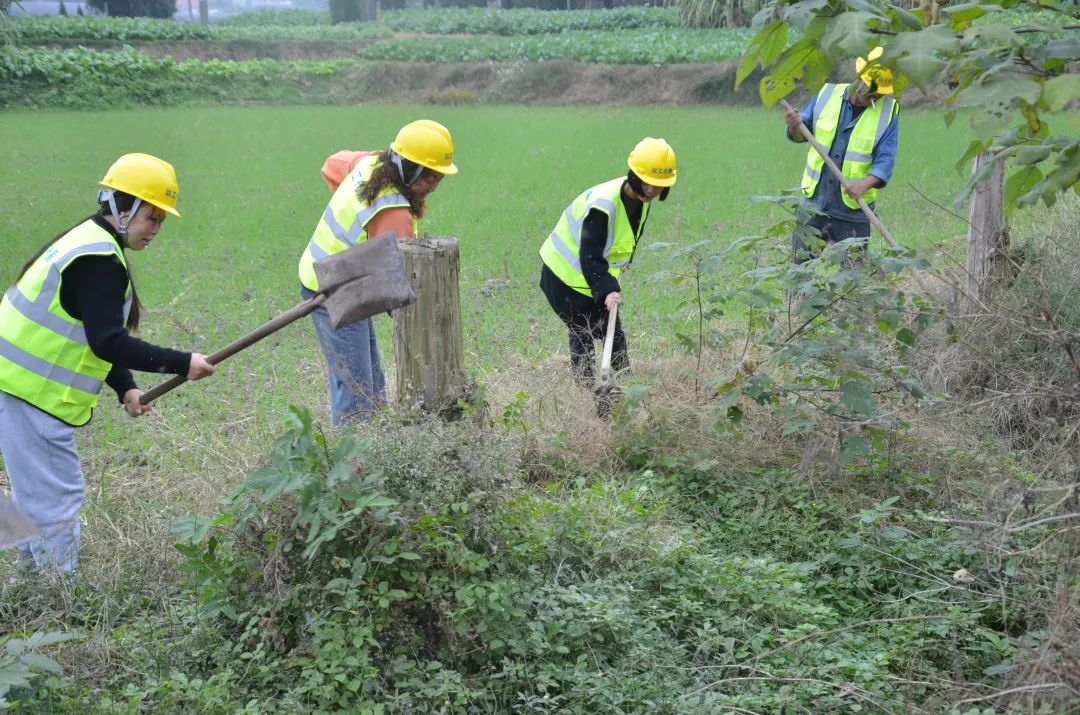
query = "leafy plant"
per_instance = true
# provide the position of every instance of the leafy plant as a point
(609, 47)
(21, 661)
(527, 21)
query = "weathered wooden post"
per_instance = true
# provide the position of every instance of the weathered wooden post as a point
(428, 346)
(988, 236)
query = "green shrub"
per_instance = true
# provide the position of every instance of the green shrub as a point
(122, 29)
(527, 21)
(614, 47)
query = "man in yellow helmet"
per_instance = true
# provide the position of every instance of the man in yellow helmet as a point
(65, 329)
(859, 124)
(592, 243)
(374, 192)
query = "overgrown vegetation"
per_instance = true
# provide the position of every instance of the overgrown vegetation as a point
(87, 78)
(623, 47)
(527, 21)
(122, 29)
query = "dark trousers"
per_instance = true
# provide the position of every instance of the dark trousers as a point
(830, 230)
(585, 322)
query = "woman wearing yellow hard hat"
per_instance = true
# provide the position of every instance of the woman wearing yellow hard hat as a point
(374, 192)
(592, 243)
(859, 124)
(64, 332)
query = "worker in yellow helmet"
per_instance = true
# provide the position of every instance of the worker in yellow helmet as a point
(64, 332)
(859, 124)
(374, 192)
(592, 243)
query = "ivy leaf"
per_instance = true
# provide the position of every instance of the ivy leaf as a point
(916, 53)
(1061, 90)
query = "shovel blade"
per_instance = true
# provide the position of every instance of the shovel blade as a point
(15, 526)
(364, 280)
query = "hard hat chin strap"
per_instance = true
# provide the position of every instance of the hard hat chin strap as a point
(121, 225)
(396, 160)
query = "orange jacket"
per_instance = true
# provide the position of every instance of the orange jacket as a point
(399, 220)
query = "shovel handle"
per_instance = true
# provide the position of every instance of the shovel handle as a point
(609, 341)
(268, 328)
(874, 220)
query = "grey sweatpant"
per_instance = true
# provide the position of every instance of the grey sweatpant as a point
(46, 481)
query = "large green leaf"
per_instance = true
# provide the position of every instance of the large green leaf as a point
(961, 16)
(998, 95)
(916, 53)
(1061, 90)
(857, 397)
(764, 48)
(773, 89)
(908, 19)
(1019, 183)
(850, 32)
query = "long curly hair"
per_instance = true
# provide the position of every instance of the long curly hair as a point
(386, 175)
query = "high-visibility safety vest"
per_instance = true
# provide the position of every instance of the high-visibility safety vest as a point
(44, 356)
(342, 223)
(561, 251)
(858, 158)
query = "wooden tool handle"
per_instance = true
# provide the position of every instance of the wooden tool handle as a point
(267, 328)
(609, 340)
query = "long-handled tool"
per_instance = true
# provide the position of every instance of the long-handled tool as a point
(874, 220)
(355, 284)
(15, 525)
(608, 394)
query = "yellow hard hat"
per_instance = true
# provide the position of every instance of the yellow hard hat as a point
(879, 79)
(428, 144)
(145, 177)
(653, 160)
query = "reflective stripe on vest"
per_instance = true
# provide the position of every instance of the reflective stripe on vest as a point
(343, 222)
(44, 356)
(858, 157)
(562, 250)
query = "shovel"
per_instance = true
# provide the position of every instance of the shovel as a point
(15, 526)
(355, 284)
(608, 394)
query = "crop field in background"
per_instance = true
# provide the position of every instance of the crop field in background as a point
(250, 196)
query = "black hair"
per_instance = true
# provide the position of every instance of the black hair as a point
(636, 184)
(386, 174)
